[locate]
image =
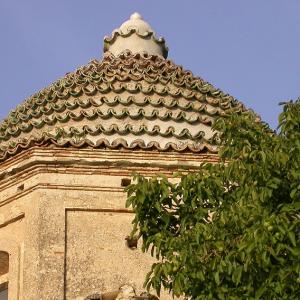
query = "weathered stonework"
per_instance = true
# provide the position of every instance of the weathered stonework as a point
(65, 228)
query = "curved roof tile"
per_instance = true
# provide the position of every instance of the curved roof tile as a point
(132, 101)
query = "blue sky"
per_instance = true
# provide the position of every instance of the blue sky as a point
(249, 49)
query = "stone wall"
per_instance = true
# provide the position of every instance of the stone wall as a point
(63, 219)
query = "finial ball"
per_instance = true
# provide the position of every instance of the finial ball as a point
(136, 16)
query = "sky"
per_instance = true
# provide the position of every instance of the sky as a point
(249, 49)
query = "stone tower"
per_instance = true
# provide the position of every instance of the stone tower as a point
(68, 151)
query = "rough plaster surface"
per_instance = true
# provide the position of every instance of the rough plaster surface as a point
(98, 259)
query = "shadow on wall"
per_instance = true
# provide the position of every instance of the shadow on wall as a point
(4, 263)
(4, 294)
(4, 268)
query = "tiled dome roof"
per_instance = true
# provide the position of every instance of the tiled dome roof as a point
(131, 101)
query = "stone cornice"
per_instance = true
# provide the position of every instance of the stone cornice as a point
(39, 160)
(37, 154)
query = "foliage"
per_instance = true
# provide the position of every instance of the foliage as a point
(231, 230)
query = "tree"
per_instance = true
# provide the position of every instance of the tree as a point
(231, 230)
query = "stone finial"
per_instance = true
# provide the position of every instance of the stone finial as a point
(135, 16)
(136, 23)
(137, 36)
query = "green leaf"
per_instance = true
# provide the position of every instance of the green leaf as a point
(292, 238)
(217, 278)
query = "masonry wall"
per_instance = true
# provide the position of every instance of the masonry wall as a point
(17, 237)
(63, 219)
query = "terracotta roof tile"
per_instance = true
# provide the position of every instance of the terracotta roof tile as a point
(131, 101)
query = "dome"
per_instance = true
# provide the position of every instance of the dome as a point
(130, 99)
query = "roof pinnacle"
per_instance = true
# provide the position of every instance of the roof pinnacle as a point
(137, 36)
(135, 16)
